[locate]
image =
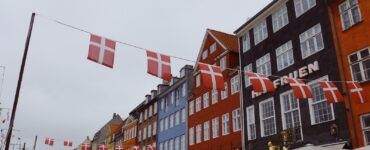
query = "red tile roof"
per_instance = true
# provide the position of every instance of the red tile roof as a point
(228, 40)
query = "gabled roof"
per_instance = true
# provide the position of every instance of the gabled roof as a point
(228, 41)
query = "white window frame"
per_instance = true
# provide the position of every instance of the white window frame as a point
(246, 41)
(155, 108)
(183, 142)
(299, 9)
(214, 96)
(183, 115)
(149, 130)
(150, 111)
(263, 65)
(191, 107)
(172, 119)
(215, 127)
(198, 104)
(260, 32)
(280, 18)
(251, 120)
(283, 111)
(197, 80)
(365, 129)
(360, 61)
(234, 81)
(225, 124)
(223, 63)
(198, 136)
(205, 54)
(206, 100)
(166, 123)
(284, 56)
(154, 128)
(206, 135)
(236, 120)
(349, 12)
(224, 93)
(305, 38)
(213, 48)
(310, 103)
(191, 136)
(177, 118)
(262, 119)
(247, 68)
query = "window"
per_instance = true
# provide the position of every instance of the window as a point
(177, 118)
(198, 104)
(172, 97)
(172, 119)
(149, 131)
(184, 90)
(170, 145)
(191, 136)
(141, 117)
(311, 41)
(263, 65)
(213, 47)
(197, 80)
(161, 125)
(183, 115)
(223, 64)
(349, 13)
(224, 92)
(166, 123)
(205, 54)
(260, 32)
(291, 115)
(199, 133)
(150, 111)
(251, 123)
(205, 100)
(161, 146)
(154, 128)
(177, 96)
(155, 108)
(267, 117)
(214, 96)
(191, 108)
(215, 127)
(166, 145)
(162, 103)
(320, 110)
(236, 120)
(225, 124)
(302, 6)
(144, 133)
(360, 65)
(139, 135)
(234, 81)
(365, 121)
(183, 147)
(177, 143)
(206, 131)
(145, 114)
(284, 55)
(246, 42)
(280, 18)
(246, 78)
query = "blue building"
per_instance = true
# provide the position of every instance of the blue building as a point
(172, 112)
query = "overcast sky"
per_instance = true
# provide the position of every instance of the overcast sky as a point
(65, 96)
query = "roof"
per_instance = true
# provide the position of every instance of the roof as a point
(229, 41)
(255, 16)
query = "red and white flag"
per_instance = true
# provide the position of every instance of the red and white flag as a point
(331, 92)
(102, 147)
(49, 141)
(135, 147)
(159, 65)
(211, 76)
(85, 146)
(67, 143)
(356, 91)
(119, 147)
(260, 83)
(300, 89)
(150, 147)
(101, 50)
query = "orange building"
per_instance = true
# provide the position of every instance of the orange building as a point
(129, 129)
(214, 116)
(351, 22)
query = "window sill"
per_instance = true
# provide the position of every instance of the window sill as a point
(354, 25)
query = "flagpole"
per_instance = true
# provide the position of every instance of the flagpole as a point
(19, 84)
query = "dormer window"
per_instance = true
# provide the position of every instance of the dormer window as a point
(223, 64)
(213, 47)
(205, 54)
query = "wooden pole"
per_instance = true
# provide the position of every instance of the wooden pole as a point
(34, 143)
(11, 123)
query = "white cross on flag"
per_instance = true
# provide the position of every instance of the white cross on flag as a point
(331, 92)
(135, 147)
(211, 76)
(159, 65)
(101, 50)
(119, 147)
(67, 143)
(85, 146)
(356, 91)
(260, 83)
(300, 89)
(102, 147)
(49, 141)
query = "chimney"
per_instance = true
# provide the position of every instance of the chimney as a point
(186, 70)
(153, 93)
(148, 97)
(114, 115)
(161, 87)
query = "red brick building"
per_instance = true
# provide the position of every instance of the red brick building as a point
(214, 116)
(351, 23)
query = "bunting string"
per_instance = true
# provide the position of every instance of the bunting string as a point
(145, 49)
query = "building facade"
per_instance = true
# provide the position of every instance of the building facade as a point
(351, 23)
(130, 132)
(214, 116)
(105, 134)
(172, 114)
(147, 125)
(290, 38)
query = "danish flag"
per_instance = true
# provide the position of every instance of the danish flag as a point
(68, 143)
(119, 147)
(135, 147)
(300, 89)
(101, 50)
(49, 141)
(159, 65)
(331, 92)
(151, 147)
(356, 91)
(211, 76)
(260, 83)
(85, 146)
(102, 147)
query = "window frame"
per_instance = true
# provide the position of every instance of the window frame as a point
(225, 121)
(260, 28)
(205, 100)
(234, 84)
(236, 120)
(206, 133)
(279, 15)
(249, 134)
(304, 37)
(349, 11)
(264, 61)
(359, 61)
(302, 9)
(364, 129)
(213, 48)
(215, 127)
(271, 99)
(246, 42)
(225, 92)
(287, 50)
(283, 111)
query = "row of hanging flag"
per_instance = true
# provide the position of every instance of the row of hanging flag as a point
(101, 50)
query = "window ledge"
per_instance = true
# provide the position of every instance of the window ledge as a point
(354, 25)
